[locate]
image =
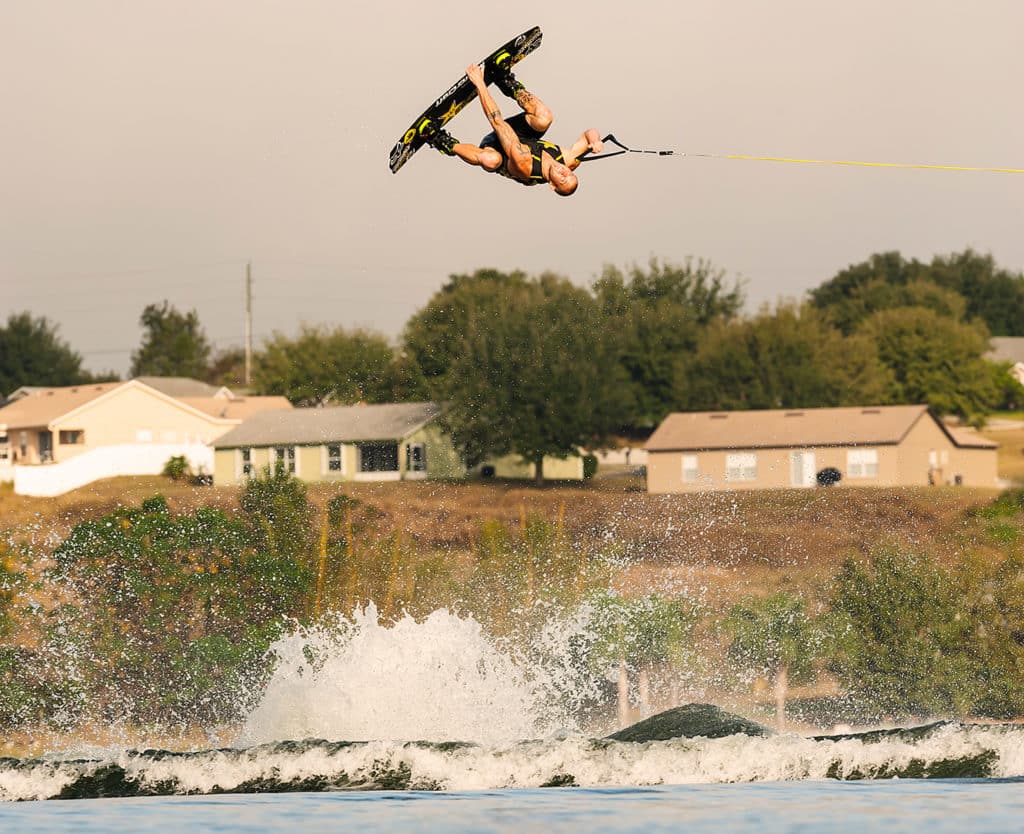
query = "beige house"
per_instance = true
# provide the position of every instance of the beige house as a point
(399, 441)
(878, 446)
(102, 427)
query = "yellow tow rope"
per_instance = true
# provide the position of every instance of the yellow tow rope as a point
(857, 163)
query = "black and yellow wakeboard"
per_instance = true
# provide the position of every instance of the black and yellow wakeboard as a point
(461, 93)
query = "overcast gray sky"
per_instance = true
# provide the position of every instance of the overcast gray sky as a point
(149, 148)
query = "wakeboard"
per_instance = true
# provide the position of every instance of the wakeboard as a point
(461, 93)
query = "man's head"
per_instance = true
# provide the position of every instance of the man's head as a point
(562, 180)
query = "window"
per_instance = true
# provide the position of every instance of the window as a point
(72, 437)
(416, 457)
(862, 463)
(143, 435)
(378, 457)
(691, 474)
(741, 467)
(23, 443)
(285, 456)
(334, 457)
(245, 462)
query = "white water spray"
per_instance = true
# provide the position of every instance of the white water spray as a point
(439, 679)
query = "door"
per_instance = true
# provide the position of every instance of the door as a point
(802, 469)
(45, 446)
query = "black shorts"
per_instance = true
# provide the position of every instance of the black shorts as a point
(521, 127)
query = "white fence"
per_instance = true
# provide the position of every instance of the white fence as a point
(107, 462)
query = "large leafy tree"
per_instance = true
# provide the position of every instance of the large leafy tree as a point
(935, 360)
(790, 357)
(32, 353)
(660, 313)
(173, 344)
(328, 366)
(434, 337)
(887, 280)
(541, 379)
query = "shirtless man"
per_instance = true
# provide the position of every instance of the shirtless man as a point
(516, 148)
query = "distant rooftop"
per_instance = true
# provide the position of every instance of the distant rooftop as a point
(344, 424)
(796, 428)
(1007, 349)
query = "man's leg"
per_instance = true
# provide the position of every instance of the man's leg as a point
(443, 141)
(538, 116)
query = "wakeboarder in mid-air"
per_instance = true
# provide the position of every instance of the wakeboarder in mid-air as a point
(516, 148)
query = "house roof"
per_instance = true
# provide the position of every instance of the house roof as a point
(1007, 349)
(236, 408)
(40, 406)
(180, 387)
(346, 424)
(797, 428)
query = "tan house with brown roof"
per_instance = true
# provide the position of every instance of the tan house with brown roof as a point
(905, 445)
(105, 428)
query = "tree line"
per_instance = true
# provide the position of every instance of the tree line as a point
(538, 365)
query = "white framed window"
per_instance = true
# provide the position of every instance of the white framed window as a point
(862, 463)
(143, 435)
(245, 462)
(333, 461)
(691, 472)
(285, 455)
(71, 437)
(741, 467)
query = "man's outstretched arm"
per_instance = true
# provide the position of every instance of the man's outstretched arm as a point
(589, 141)
(514, 149)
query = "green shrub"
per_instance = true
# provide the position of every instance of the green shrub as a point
(177, 468)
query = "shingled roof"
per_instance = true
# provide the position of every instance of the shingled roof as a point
(343, 424)
(796, 428)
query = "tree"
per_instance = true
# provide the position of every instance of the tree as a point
(935, 360)
(165, 618)
(173, 344)
(994, 295)
(227, 367)
(790, 357)
(774, 637)
(327, 366)
(31, 353)
(902, 638)
(631, 636)
(887, 280)
(542, 379)
(660, 314)
(435, 336)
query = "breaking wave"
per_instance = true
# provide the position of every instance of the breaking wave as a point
(946, 750)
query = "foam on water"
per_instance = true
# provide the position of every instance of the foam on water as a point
(965, 751)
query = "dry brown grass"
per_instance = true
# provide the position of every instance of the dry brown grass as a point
(723, 545)
(1010, 452)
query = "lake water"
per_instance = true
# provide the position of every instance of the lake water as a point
(893, 806)
(440, 680)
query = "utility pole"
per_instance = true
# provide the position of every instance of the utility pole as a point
(248, 323)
